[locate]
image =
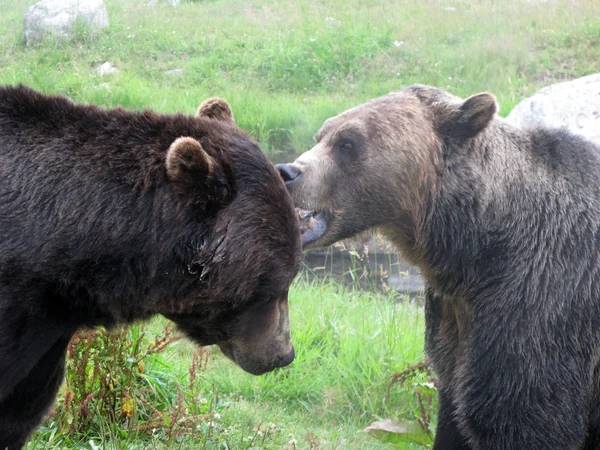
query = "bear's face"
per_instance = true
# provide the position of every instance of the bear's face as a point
(249, 259)
(374, 165)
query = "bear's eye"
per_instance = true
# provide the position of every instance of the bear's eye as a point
(347, 146)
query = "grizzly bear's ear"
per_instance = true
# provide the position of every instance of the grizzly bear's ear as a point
(186, 157)
(472, 116)
(198, 177)
(216, 108)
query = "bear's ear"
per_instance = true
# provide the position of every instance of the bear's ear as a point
(216, 108)
(472, 116)
(187, 159)
(197, 176)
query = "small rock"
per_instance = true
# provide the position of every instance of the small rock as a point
(174, 72)
(107, 69)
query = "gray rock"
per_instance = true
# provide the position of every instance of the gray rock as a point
(58, 18)
(174, 72)
(572, 104)
(107, 69)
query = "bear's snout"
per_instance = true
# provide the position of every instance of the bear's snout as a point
(282, 361)
(288, 172)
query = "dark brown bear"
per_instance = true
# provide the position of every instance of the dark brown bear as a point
(504, 224)
(107, 217)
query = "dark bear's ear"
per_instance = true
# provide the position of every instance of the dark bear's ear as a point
(187, 159)
(197, 176)
(472, 116)
(216, 108)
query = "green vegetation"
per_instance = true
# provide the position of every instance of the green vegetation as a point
(285, 67)
(148, 395)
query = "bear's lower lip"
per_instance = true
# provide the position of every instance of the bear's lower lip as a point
(313, 225)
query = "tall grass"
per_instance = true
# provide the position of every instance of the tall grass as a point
(287, 66)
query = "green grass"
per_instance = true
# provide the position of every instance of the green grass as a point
(349, 344)
(287, 66)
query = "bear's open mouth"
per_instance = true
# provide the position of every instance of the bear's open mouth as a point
(313, 224)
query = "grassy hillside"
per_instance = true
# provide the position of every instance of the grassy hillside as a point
(287, 66)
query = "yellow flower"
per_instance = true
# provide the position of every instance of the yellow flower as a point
(127, 405)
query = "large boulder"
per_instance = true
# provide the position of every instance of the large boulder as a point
(59, 18)
(572, 104)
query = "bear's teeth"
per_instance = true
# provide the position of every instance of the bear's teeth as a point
(305, 219)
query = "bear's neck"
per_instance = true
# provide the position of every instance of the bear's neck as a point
(462, 224)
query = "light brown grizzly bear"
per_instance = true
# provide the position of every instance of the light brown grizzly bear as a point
(113, 216)
(504, 225)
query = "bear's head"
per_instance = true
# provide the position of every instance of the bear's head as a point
(375, 165)
(239, 270)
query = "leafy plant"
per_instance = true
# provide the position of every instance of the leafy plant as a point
(108, 380)
(419, 431)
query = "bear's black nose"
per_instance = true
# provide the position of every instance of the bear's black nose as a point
(282, 361)
(288, 172)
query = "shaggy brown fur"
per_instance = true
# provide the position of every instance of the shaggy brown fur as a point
(504, 224)
(108, 217)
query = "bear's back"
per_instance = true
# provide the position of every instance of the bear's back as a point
(564, 152)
